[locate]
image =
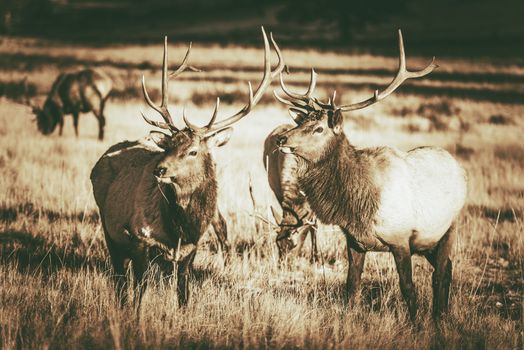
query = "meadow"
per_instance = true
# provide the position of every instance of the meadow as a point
(55, 286)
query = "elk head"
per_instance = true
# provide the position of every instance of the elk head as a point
(186, 152)
(47, 118)
(320, 124)
(291, 230)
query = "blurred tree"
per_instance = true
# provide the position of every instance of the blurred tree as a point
(350, 16)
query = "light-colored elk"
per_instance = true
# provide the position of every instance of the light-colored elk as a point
(74, 93)
(297, 219)
(382, 198)
(157, 196)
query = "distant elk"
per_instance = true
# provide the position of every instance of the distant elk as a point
(158, 196)
(382, 198)
(297, 220)
(74, 93)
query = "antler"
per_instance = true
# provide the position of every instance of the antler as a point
(402, 75)
(269, 75)
(162, 109)
(303, 103)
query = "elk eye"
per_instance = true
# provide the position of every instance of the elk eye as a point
(192, 153)
(319, 130)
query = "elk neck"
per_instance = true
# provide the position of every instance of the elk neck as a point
(50, 116)
(189, 211)
(340, 188)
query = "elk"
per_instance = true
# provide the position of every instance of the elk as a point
(158, 195)
(297, 220)
(74, 93)
(382, 198)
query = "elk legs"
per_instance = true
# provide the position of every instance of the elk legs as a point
(441, 278)
(356, 261)
(220, 228)
(140, 265)
(120, 263)
(313, 235)
(101, 118)
(60, 125)
(402, 256)
(75, 123)
(183, 271)
(101, 125)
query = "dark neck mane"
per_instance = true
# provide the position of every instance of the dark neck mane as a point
(340, 189)
(193, 214)
(189, 214)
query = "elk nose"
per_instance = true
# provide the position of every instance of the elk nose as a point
(160, 171)
(281, 140)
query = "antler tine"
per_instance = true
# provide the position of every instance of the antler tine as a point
(333, 99)
(295, 103)
(191, 126)
(321, 104)
(202, 130)
(165, 90)
(162, 109)
(184, 65)
(402, 75)
(281, 64)
(215, 112)
(302, 97)
(160, 125)
(254, 98)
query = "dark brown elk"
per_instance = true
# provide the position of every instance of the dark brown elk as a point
(382, 198)
(297, 220)
(157, 196)
(74, 93)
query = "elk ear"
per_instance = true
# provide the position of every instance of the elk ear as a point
(336, 121)
(220, 138)
(160, 139)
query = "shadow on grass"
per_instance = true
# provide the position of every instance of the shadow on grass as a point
(34, 254)
(498, 214)
(12, 213)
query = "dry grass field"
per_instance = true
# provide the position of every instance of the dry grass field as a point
(55, 287)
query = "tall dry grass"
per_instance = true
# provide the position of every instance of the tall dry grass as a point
(55, 288)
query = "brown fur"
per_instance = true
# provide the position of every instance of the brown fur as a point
(130, 199)
(345, 187)
(341, 190)
(284, 171)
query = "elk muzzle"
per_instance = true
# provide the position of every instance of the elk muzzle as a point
(285, 242)
(160, 175)
(160, 171)
(281, 143)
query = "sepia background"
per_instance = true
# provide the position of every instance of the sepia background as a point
(55, 287)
